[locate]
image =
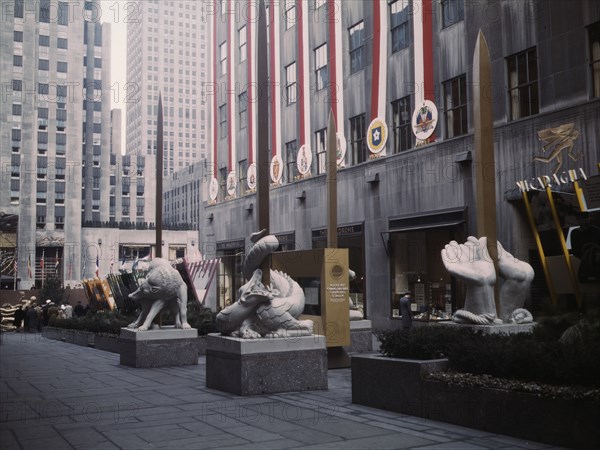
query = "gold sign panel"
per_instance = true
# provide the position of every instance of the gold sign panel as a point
(323, 274)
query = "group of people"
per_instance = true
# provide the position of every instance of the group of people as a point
(32, 317)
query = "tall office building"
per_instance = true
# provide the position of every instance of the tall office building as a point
(54, 132)
(166, 52)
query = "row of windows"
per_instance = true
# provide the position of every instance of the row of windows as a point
(44, 40)
(43, 64)
(400, 14)
(522, 94)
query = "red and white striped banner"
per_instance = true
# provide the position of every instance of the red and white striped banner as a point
(201, 273)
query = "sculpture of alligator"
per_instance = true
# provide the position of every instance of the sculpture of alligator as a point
(265, 311)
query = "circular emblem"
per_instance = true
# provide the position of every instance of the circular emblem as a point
(213, 189)
(337, 271)
(231, 183)
(251, 176)
(304, 160)
(276, 169)
(377, 135)
(424, 120)
(340, 148)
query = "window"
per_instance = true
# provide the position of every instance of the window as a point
(290, 13)
(63, 13)
(44, 15)
(594, 33)
(19, 8)
(223, 57)
(321, 66)
(290, 83)
(453, 11)
(17, 60)
(291, 153)
(223, 121)
(455, 106)
(242, 41)
(16, 109)
(358, 142)
(43, 64)
(243, 102)
(43, 88)
(523, 84)
(321, 139)
(242, 171)
(17, 85)
(319, 3)
(401, 118)
(42, 113)
(44, 41)
(61, 66)
(18, 36)
(399, 22)
(357, 49)
(98, 34)
(62, 43)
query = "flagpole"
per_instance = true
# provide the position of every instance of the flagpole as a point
(16, 267)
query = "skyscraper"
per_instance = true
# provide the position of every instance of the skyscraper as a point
(54, 129)
(166, 54)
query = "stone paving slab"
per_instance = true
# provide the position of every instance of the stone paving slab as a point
(55, 395)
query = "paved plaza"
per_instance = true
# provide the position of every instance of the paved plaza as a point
(55, 395)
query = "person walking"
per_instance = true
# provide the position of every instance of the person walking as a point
(32, 316)
(405, 311)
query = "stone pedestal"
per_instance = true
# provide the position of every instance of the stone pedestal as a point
(266, 366)
(168, 346)
(361, 337)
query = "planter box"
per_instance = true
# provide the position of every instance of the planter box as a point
(361, 337)
(398, 385)
(108, 343)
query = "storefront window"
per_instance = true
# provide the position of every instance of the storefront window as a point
(416, 265)
(230, 276)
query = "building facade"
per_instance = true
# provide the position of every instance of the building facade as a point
(55, 131)
(400, 199)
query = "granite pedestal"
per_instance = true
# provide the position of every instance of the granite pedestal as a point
(361, 336)
(168, 346)
(266, 366)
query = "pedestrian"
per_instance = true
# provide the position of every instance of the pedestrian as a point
(18, 320)
(79, 311)
(52, 312)
(32, 316)
(68, 311)
(405, 311)
(45, 316)
(26, 319)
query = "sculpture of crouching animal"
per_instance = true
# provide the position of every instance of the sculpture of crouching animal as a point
(163, 289)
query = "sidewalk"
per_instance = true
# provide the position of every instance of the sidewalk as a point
(55, 395)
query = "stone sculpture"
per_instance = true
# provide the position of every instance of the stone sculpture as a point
(471, 262)
(265, 311)
(163, 288)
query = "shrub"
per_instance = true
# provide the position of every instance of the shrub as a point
(419, 343)
(538, 356)
(97, 322)
(199, 317)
